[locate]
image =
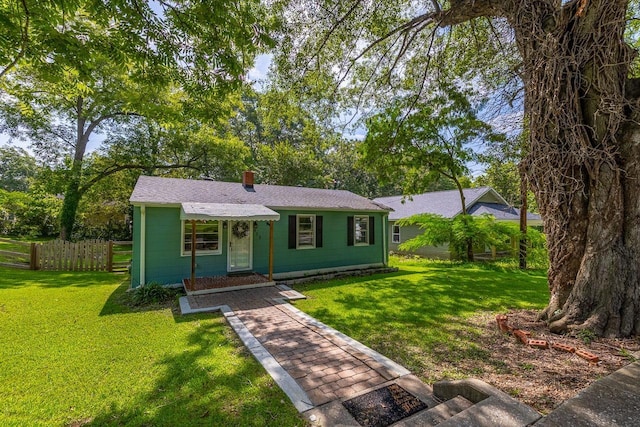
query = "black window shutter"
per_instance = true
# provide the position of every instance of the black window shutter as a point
(292, 231)
(372, 230)
(318, 231)
(350, 233)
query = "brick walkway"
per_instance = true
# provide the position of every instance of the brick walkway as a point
(325, 366)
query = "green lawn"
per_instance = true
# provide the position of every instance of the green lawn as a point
(72, 351)
(421, 316)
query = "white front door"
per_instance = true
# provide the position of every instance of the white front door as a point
(240, 255)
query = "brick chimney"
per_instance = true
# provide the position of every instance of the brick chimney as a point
(247, 179)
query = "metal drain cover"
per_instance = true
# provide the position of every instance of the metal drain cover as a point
(384, 406)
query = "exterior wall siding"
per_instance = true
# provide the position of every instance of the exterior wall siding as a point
(164, 263)
(409, 232)
(333, 253)
(435, 252)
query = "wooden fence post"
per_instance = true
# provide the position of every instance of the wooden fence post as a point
(110, 257)
(33, 256)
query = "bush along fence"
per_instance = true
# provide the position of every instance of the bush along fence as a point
(86, 255)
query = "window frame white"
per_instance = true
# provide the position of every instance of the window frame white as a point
(199, 252)
(395, 234)
(356, 220)
(313, 231)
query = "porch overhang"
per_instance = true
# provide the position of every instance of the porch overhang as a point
(227, 212)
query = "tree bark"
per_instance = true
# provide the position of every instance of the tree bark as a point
(71, 201)
(583, 161)
(522, 244)
(72, 193)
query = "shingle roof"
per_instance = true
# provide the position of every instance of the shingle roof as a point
(174, 191)
(447, 203)
(500, 212)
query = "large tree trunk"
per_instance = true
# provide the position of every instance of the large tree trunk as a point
(522, 244)
(71, 201)
(72, 193)
(583, 160)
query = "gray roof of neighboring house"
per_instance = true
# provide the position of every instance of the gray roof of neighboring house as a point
(174, 191)
(447, 203)
(500, 212)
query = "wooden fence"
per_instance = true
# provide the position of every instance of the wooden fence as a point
(17, 254)
(120, 256)
(86, 255)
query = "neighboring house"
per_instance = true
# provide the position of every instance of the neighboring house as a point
(273, 230)
(482, 200)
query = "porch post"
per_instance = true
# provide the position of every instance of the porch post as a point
(193, 254)
(270, 251)
(143, 244)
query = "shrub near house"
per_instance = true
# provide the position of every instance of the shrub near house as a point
(447, 205)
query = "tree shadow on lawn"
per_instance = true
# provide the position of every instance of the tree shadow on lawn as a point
(409, 316)
(430, 294)
(14, 278)
(195, 390)
(347, 280)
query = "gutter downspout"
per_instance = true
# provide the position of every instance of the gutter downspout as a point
(270, 251)
(143, 245)
(385, 248)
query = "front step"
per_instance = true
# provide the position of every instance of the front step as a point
(437, 414)
(465, 403)
(491, 407)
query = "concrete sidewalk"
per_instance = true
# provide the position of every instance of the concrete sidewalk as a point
(610, 401)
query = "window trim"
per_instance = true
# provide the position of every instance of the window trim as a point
(394, 234)
(313, 231)
(355, 232)
(201, 252)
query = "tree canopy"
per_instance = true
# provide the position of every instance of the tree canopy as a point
(78, 71)
(204, 48)
(16, 169)
(427, 139)
(570, 66)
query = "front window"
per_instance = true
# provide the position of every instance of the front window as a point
(361, 230)
(395, 234)
(207, 237)
(306, 231)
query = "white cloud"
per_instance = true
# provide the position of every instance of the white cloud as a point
(258, 73)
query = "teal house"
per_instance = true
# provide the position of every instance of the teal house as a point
(188, 229)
